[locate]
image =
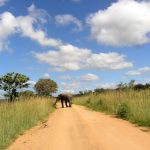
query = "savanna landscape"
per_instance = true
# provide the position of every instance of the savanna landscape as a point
(74, 75)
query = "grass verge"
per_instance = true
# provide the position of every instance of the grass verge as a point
(130, 105)
(17, 117)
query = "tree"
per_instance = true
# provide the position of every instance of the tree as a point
(11, 82)
(26, 94)
(139, 86)
(81, 93)
(142, 86)
(147, 86)
(45, 87)
(131, 84)
(99, 90)
(120, 86)
(86, 92)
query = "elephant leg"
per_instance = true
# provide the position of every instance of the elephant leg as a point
(66, 103)
(62, 103)
(69, 103)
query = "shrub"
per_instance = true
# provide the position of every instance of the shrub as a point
(88, 101)
(122, 110)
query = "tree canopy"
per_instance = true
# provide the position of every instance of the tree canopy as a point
(45, 87)
(26, 94)
(11, 82)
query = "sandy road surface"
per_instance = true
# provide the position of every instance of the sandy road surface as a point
(77, 128)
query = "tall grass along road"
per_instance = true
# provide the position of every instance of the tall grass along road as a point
(79, 129)
(17, 117)
(130, 105)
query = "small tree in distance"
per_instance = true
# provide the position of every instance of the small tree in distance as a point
(131, 84)
(45, 87)
(26, 94)
(11, 82)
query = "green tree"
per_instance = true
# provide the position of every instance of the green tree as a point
(45, 87)
(11, 82)
(131, 84)
(99, 90)
(120, 86)
(26, 93)
(81, 93)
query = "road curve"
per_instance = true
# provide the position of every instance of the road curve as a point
(77, 128)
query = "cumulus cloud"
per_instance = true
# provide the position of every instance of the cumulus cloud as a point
(67, 19)
(46, 76)
(40, 14)
(107, 86)
(32, 83)
(67, 91)
(66, 77)
(25, 25)
(69, 57)
(89, 77)
(69, 87)
(3, 2)
(124, 23)
(8, 26)
(138, 72)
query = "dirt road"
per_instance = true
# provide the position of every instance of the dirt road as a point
(77, 128)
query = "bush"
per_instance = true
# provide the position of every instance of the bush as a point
(88, 101)
(98, 105)
(122, 110)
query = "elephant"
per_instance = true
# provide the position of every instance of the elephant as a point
(67, 98)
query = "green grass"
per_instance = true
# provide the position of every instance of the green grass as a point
(130, 105)
(19, 116)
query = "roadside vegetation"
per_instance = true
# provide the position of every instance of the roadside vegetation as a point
(17, 117)
(22, 108)
(128, 101)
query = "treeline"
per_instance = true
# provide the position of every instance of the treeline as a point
(120, 87)
(16, 86)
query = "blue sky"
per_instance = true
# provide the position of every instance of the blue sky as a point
(81, 44)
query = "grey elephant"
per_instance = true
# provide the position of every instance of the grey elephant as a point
(67, 98)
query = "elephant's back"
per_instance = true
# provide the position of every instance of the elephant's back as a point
(66, 95)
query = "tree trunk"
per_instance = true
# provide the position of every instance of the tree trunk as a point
(11, 98)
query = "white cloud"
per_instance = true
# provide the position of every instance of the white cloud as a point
(3, 2)
(46, 76)
(25, 25)
(69, 87)
(32, 83)
(67, 91)
(138, 72)
(69, 57)
(124, 23)
(39, 14)
(67, 19)
(89, 77)
(107, 86)
(142, 81)
(8, 25)
(65, 77)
